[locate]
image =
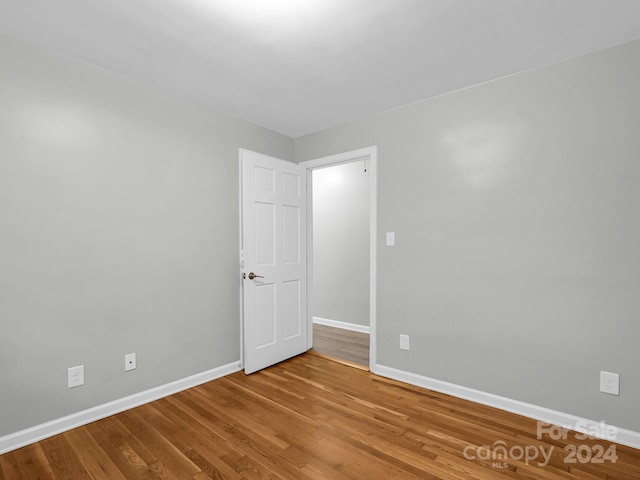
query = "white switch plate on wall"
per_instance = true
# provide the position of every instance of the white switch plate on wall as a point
(391, 239)
(404, 342)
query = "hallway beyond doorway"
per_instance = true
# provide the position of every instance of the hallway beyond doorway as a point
(341, 345)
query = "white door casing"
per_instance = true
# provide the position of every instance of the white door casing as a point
(273, 245)
(370, 156)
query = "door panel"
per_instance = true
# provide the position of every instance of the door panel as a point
(274, 248)
(292, 314)
(265, 323)
(265, 233)
(292, 227)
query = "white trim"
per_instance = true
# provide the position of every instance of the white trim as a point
(354, 327)
(241, 255)
(370, 154)
(310, 257)
(543, 414)
(345, 157)
(373, 254)
(34, 434)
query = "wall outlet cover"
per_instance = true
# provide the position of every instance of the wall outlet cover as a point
(75, 376)
(610, 383)
(404, 342)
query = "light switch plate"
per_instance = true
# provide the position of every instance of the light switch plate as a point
(391, 239)
(404, 342)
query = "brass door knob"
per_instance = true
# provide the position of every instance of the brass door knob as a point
(253, 275)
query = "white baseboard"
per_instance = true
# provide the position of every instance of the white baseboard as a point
(30, 435)
(553, 417)
(345, 325)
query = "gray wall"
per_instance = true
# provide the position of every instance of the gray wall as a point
(118, 233)
(341, 243)
(516, 269)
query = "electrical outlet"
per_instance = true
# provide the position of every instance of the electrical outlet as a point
(610, 383)
(404, 342)
(129, 362)
(75, 376)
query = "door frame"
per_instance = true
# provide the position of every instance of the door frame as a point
(370, 156)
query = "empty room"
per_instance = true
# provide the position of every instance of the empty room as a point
(446, 190)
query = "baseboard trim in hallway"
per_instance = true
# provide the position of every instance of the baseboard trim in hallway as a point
(344, 325)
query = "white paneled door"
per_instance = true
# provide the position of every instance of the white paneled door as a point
(274, 263)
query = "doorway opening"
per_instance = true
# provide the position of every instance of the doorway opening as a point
(341, 236)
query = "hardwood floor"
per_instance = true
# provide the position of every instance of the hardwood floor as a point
(344, 345)
(308, 418)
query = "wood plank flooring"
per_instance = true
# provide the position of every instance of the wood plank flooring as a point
(308, 418)
(338, 343)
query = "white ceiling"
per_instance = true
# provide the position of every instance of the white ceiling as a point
(299, 66)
